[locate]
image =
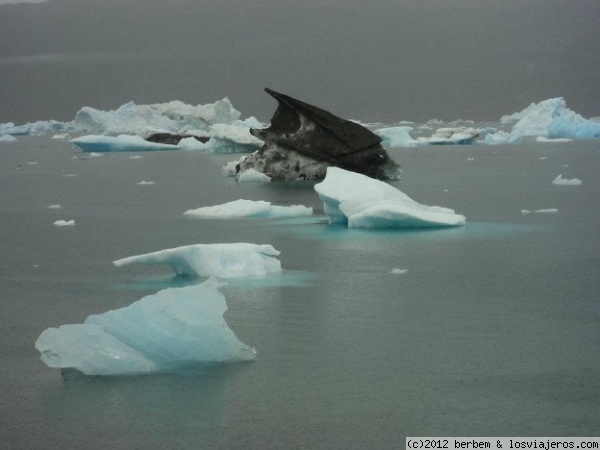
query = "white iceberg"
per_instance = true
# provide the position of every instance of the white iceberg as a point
(249, 208)
(566, 182)
(399, 271)
(221, 261)
(64, 223)
(146, 183)
(32, 128)
(396, 136)
(54, 206)
(450, 136)
(540, 211)
(7, 138)
(172, 117)
(252, 175)
(502, 137)
(172, 329)
(359, 201)
(122, 143)
(552, 119)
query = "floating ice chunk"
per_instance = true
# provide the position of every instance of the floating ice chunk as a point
(54, 206)
(566, 182)
(172, 329)
(399, 271)
(446, 136)
(396, 136)
(136, 157)
(540, 211)
(170, 117)
(32, 163)
(545, 139)
(7, 138)
(122, 143)
(145, 183)
(502, 137)
(60, 136)
(230, 169)
(359, 201)
(220, 261)
(30, 128)
(249, 208)
(64, 223)
(253, 176)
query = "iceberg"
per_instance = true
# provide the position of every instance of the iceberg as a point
(31, 128)
(566, 182)
(249, 208)
(7, 138)
(173, 329)
(173, 117)
(552, 119)
(396, 136)
(221, 261)
(356, 200)
(64, 223)
(451, 136)
(122, 143)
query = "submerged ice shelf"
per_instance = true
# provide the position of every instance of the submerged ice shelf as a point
(172, 329)
(356, 200)
(220, 261)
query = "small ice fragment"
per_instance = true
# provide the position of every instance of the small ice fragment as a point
(543, 157)
(566, 182)
(136, 157)
(399, 271)
(144, 183)
(32, 163)
(54, 206)
(470, 159)
(249, 208)
(540, 211)
(64, 223)
(253, 176)
(70, 175)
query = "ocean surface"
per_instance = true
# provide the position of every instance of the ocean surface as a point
(494, 330)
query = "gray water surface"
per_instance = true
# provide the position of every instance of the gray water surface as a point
(492, 331)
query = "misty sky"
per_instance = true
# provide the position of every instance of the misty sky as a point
(371, 60)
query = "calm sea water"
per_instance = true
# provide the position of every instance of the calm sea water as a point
(494, 330)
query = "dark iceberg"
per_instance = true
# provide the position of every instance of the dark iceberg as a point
(303, 140)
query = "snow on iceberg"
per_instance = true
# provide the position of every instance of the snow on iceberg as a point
(221, 261)
(551, 118)
(249, 208)
(172, 329)
(122, 143)
(566, 182)
(359, 201)
(396, 136)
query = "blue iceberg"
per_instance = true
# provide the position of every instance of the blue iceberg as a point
(173, 329)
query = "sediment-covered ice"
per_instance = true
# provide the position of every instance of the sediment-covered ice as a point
(221, 261)
(122, 143)
(566, 182)
(172, 329)
(249, 208)
(359, 201)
